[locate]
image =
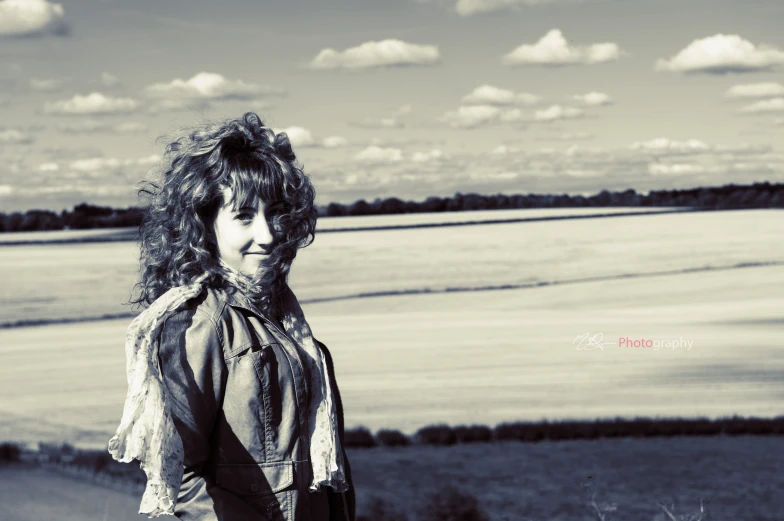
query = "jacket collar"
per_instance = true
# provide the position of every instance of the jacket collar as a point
(237, 298)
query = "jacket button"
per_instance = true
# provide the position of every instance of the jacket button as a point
(254, 487)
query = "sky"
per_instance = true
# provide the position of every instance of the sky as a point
(404, 98)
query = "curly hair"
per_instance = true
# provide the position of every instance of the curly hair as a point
(177, 239)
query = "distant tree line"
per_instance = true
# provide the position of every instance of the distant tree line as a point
(758, 195)
(83, 216)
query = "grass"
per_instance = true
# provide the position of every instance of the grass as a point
(679, 478)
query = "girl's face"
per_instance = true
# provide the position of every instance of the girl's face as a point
(242, 235)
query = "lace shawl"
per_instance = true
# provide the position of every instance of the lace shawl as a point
(147, 432)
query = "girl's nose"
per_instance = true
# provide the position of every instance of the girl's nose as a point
(261, 232)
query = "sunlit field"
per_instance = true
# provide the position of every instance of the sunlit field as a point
(361, 221)
(484, 356)
(57, 281)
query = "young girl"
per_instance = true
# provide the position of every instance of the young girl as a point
(232, 408)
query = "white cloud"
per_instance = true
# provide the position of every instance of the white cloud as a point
(489, 95)
(91, 126)
(206, 86)
(722, 54)
(553, 49)
(302, 138)
(675, 168)
(383, 53)
(298, 136)
(471, 116)
(334, 142)
(663, 144)
(577, 136)
(31, 18)
(48, 167)
(764, 106)
(471, 7)
(129, 127)
(512, 115)
(47, 85)
(109, 79)
(6, 189)
(593, 99)
(93, 103)
(377, 155)
(423, 157)
(95, 163)
(14, 136)
(100, 165)
(556, 112)
(756, 90)
(395, 120)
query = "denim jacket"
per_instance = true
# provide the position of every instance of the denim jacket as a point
(239, 399)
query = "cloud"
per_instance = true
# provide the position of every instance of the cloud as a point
(675, 168)
(577, 136)
(374, 155)
(392, 121)
(756, 90)
(593, 99)
(553, 50)
(48, 167)
(28, 18)
(12, 136)
(298, 136)
(96, 167)
(334, 142)
(764, 106)
(424, 157)
(723, 54)
(384, 53)
(91, 126)
(471, 116)
(109, 79)
(203, 88)
(93, 103)
(557, 112)
(302, 138)
(472, 7)
(489, 95)
(663, 144)
(49, 85)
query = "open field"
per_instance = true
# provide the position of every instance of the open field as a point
(485, 356)
(482, 355)
(71, 281)
(736, 478)
(356, 221)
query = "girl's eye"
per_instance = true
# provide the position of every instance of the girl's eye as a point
(243, 216)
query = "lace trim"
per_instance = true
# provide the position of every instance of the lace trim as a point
(147, 432)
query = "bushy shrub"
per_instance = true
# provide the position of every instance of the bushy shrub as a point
(359, 437)
(472, 433)
(450, 504)
(440, 434)
(9, 452)
(520, 431)
(380, 510)
(96, 460)
(392, 438)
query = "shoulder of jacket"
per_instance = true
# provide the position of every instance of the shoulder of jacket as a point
(209, 306)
